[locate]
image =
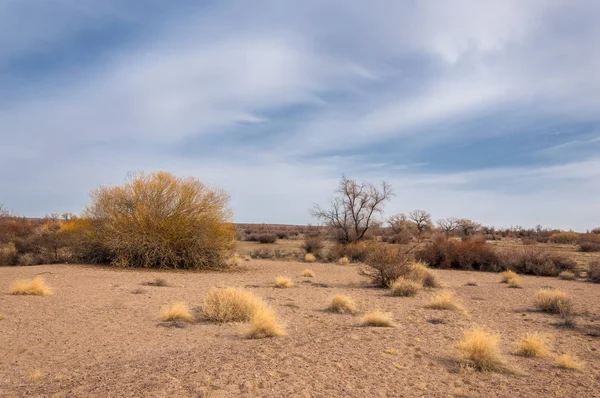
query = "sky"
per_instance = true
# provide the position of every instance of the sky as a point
(488, 110)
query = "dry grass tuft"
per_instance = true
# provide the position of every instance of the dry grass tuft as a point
(263, 323)
(344, 260)
(445, 300)
(308, 273)
(514, 282)
(230, 305)
(35, 287)
(283, 282)
(309, 258)
(342, 305)
(177, 312)
(507, 275)
(405, 288)
(551, 300)
(567, 275)
(418, 272)
(378, 319)
(158, 282)
(532, 345)
(480, 350)
(1, 317)
(471, 282)
(569, 361)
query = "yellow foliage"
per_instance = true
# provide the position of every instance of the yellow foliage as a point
(283, 282)
(177, 312)
(551, 300)
(308, 273)
(230, 305)
(532, 345)
(342, 304)
(569, 361)
(35, 287)
(378, 319)
(405, 287)
(507, 275)
(263, 323)
(446, 301)
(480, 349)
(309, 258)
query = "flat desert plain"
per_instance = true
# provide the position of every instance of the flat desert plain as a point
(99, 335)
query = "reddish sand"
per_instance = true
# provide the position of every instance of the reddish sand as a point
(94, 337)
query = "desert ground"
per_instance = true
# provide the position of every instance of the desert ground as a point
(99, 335)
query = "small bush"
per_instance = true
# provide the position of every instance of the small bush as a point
(564, 237)
(283, 282)
(378, 319)
(532, 345)
(468, 255)
(507, 275)
(536, 261)
(267, 238)
(551, 300)
(230, 305)
(387, 263)
(309, 258)
(263, 324)
(8, 254)
(35, 287)
(176, 312)
(445, 300)
(342, 305)
(344, 261)
(313, 244)
(514, 282)
(357, 251)
(27, 259)
(403, 287)
(567, 275)
(282, 235)
(594, 272)
(569, 361)
(589, 247)
(418, 272)
(480, 350)
(308, 273)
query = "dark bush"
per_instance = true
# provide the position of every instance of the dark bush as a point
(387, 263)
(469, 255)
(313, 243)
(536, 261)
(282, 235)
(589, 247)
(594, 272)
(267, 238)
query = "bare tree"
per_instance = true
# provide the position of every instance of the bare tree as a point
(468, 227)
(4, 212)
(422, 220)
(353, 208)
(448, 225)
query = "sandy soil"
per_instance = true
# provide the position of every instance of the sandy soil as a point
(94, 337)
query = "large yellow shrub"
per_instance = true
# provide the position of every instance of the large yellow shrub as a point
(158, 220)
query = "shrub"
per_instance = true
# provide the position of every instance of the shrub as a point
(386, 264)
(506, 276)
(342, 305)
(309, 258)
(567, 275)
(267, 238)
(161, 221)
(569, 361)
(468, 255)
(536, 261)
(445, 300)
(230, 305)
(480, 350)
(565, 309)
(403, 287)
(176, 312)
(8, 254)
(344, 261)
(27, 259)
(313, 244)
(419, 273)
(356, 251)
(514, 282)
(594, 272)
(35, 287)
(532, 345)
(263, 323)
(378, 319)
(551, 300)
(308, 273)
(282, 235)
(564, 237)
(283, 282)
(589, 247)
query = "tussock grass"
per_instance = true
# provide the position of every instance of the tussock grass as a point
(158, 282)
(405, 288)
(344, 261)
(35, 287)
(507, 275)
(230, 305)
(308, 273)
(176, 312)
(551, 300)
(342, 305)
(480, 350)
(514, 282)
(567, 275)
(532, 345)
(569, 361)
(283, 282)
(263, 323)
(378, 319)
(418, 272)
(309, 258)
(445, 300)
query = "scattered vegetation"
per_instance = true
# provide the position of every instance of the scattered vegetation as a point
(480, 350)
(283, 282)
(308, 273)
(569, 361)
(445, 300)
(551, 300)
(35, 287)
(532, 345)
(176, 312)
(342, 305)
(378, 319)
(403, 287)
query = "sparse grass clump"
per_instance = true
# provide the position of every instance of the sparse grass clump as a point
(551, 300)
(176, 312)
(35, 287)
(309, 258)
(567, 275)
(507, 275)
(230, 305)
(418, 272)
(532, 345)
(405, 288)
(594, 272)
(344, 261)
(263, 323)
(471, 282)
(158, 282)
(342, 305)
(514, 282)
(569, 361)
(480, 350)
(308, 273)
(283, 282)
(445, 300)
(378, 319)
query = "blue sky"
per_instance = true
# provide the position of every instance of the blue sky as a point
(482, 109)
